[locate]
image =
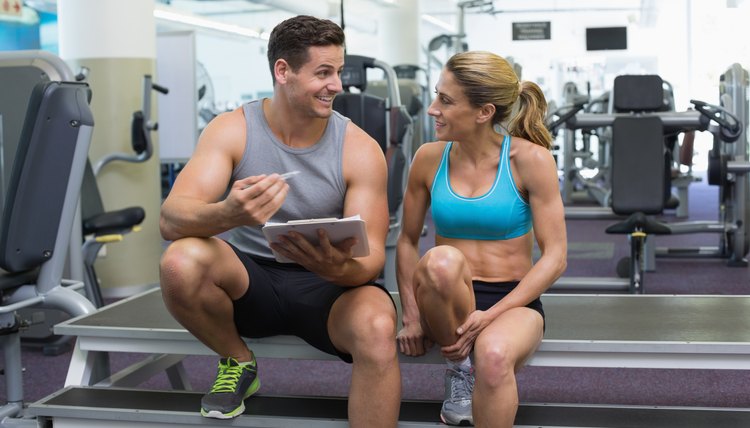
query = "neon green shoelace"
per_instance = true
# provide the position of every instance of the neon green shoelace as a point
(227, 379)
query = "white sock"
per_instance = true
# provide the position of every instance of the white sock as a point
(463, 365)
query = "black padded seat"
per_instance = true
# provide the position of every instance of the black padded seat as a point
(37, 171)
(114, 222)
(366, 111)
(639, 222)
(99, 227)
(16, 279)
(637, 164)
(638, 93)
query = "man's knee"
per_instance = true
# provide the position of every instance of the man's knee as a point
(181, 265)
(375, 336)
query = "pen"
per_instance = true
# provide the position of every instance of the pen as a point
(284, 176)
(289, 174)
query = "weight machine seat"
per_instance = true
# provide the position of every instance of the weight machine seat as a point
(114, 222)
(638, 93)
(38, 187)
(10, 280)
(638, 166)
(644, 94)
(366, 111)
(385, 120)
(412, 98)
(96, 220)
(38, 217)
(639, 222)
(101, 227)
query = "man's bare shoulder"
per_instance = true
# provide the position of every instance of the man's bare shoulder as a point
(231, 121)
(363, 156)
(226, 132)
(356, 135)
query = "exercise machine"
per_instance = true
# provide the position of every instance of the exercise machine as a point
(100, 226)
(20, 72)
(39, 213)
(586, 170)
(728, 169)
(639, 189)
(387, 121)
(140, 129)
(415, 98)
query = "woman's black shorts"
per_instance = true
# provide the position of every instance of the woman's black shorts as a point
(489, 293)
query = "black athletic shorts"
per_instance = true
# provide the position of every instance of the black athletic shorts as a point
(285, 298)
(489, 293)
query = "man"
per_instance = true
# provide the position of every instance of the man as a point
(221, 290)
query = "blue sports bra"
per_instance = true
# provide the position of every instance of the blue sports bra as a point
(499, 214)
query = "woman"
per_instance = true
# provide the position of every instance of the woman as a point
(488, 187)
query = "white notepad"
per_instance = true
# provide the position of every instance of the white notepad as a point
(337, 229)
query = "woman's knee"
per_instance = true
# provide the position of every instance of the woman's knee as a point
(441, 267)
(494, 361)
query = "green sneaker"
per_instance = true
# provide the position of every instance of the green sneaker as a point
(234, 383)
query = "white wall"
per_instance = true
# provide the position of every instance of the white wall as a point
(239, 67)
(688, 42)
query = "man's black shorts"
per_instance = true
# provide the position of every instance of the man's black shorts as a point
(285, 298)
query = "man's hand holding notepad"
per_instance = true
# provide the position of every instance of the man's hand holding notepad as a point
(337, 230)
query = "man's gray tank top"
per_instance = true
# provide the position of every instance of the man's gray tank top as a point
(316, 192)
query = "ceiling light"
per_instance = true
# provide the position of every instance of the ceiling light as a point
(171, 15)
(442, 24)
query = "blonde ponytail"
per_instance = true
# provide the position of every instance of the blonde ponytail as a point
(528, 123)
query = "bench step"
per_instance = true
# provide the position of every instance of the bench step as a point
(91, 406)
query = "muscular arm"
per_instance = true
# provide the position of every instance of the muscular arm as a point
(537, 171)
(194, 206)
(416, 201)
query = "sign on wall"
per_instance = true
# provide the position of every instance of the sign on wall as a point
(531, 30)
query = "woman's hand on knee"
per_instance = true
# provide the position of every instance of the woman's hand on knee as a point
(412, 341)
(467, 333)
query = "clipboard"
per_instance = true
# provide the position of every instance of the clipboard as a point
(337, 229)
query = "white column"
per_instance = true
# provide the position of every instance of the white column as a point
(399, 33)
(106, 29)
(116, 40)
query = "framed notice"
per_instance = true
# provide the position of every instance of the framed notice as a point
(531, 30)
